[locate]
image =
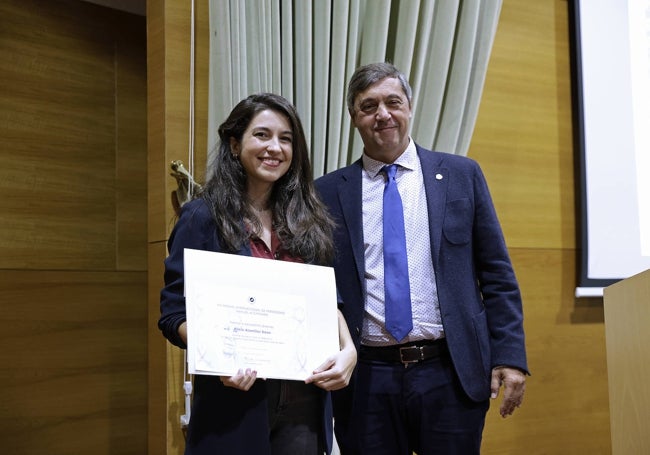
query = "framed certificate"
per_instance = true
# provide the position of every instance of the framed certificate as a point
(278, 318)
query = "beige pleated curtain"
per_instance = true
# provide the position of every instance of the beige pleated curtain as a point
(307, 50)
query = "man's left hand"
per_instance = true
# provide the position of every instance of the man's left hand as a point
(514, 385)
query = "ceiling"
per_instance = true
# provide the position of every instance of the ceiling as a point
(130, 6)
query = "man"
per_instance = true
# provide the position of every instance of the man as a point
(422, 384)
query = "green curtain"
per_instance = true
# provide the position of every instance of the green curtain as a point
(307, 51)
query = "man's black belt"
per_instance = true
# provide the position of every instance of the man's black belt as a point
(406, 353)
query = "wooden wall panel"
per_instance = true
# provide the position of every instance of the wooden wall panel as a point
(523, 136)
(168, 35)
(158, 378)
(58, 113)
(74, 362)
(156, 140)
(73, 234)
(169, 57)
(131, 145)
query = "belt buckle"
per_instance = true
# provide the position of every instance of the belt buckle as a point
(408, 362)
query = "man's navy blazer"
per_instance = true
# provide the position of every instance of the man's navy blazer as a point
(480, 301)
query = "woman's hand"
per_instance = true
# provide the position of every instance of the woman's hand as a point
(243, 380)
(335, 372)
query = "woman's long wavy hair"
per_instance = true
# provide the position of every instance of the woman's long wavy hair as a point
(299, 218)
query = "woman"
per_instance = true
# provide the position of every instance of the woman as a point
(259, 201)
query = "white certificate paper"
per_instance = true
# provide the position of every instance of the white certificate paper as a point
(278, 318)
